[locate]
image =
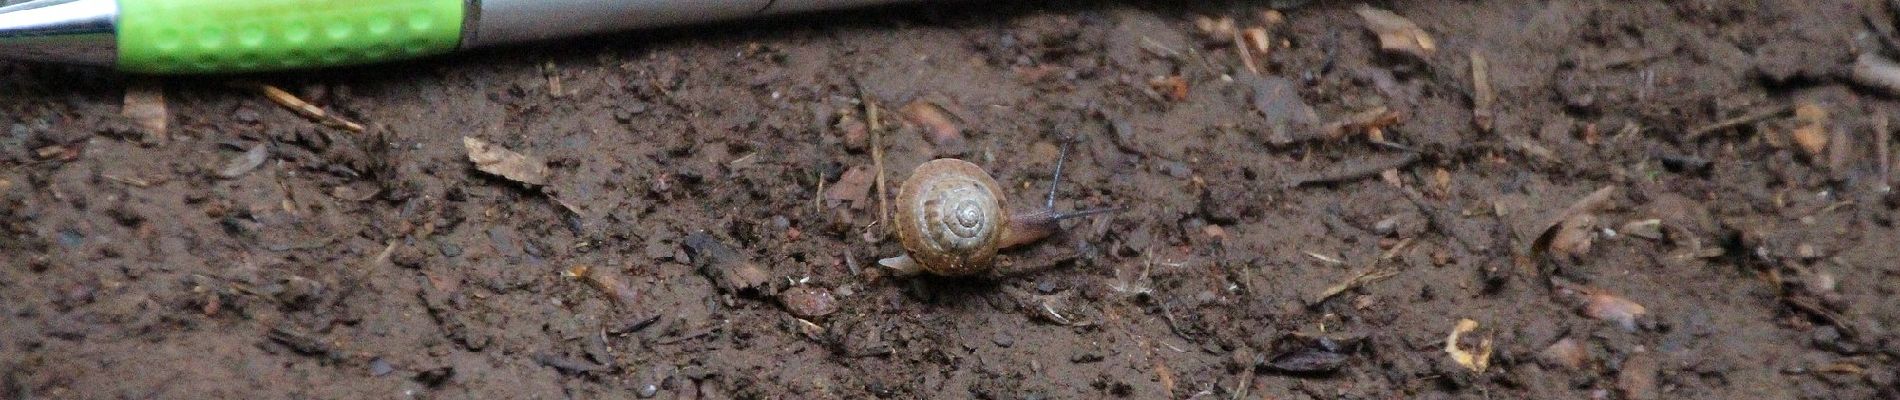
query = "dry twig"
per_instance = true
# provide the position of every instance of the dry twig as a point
(307, 110)
(1744, 119)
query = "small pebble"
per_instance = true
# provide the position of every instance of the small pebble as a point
(648, 390)
(1386, 226)
(449, 249)
(808, 302)
(246, 115)
(1003, 340)
(1085, 357)
(70, 238)
(380, 367)
(1046, 287)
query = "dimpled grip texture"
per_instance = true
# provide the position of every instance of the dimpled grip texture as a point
(221, 36)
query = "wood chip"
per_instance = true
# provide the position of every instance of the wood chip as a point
(1397, 34)
(1811, 130)
(608, 282)
(1477, 359)
(1483, 96)
(506, 163)
(145, 105)
(307, 110)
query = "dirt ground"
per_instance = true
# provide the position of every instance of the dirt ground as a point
(1680, 199)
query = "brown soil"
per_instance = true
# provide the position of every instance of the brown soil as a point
(384, 264)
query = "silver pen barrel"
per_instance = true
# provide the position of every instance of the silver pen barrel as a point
(495, 22)
(67, 31)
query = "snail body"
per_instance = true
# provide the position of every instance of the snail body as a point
(951, 219)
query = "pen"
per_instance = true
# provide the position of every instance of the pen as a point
(229, 36)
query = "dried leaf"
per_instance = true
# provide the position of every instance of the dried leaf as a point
(1398, 34)
(243, 164)
(1811, 130)
(506, 163)
(854, 187)
(145, 105)
(940, 127)
(1574, 236)
(1611, 308)
(1476, 361)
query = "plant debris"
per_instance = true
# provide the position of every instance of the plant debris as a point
(727, 268)
(1308, 361)
(1357, 280)
(1347, 171)
(853, 187)
(1397, 34)
(1569, 219)
(1371, 122)
(145, 105)
(607, 282)
(307, 110)
(569, 365)
(940, 127)
(1811, 131)
(1573, 237)
(1483, 97)
(506, 163)
(1738, 121)
(243, 164)
(1477, 359)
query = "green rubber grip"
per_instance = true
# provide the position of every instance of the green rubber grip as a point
(225, 36)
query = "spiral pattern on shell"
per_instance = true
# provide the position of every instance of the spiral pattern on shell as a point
(950, 217)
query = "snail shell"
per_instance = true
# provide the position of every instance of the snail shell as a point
(950, 217)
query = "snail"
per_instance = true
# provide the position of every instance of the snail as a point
(951, 219)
